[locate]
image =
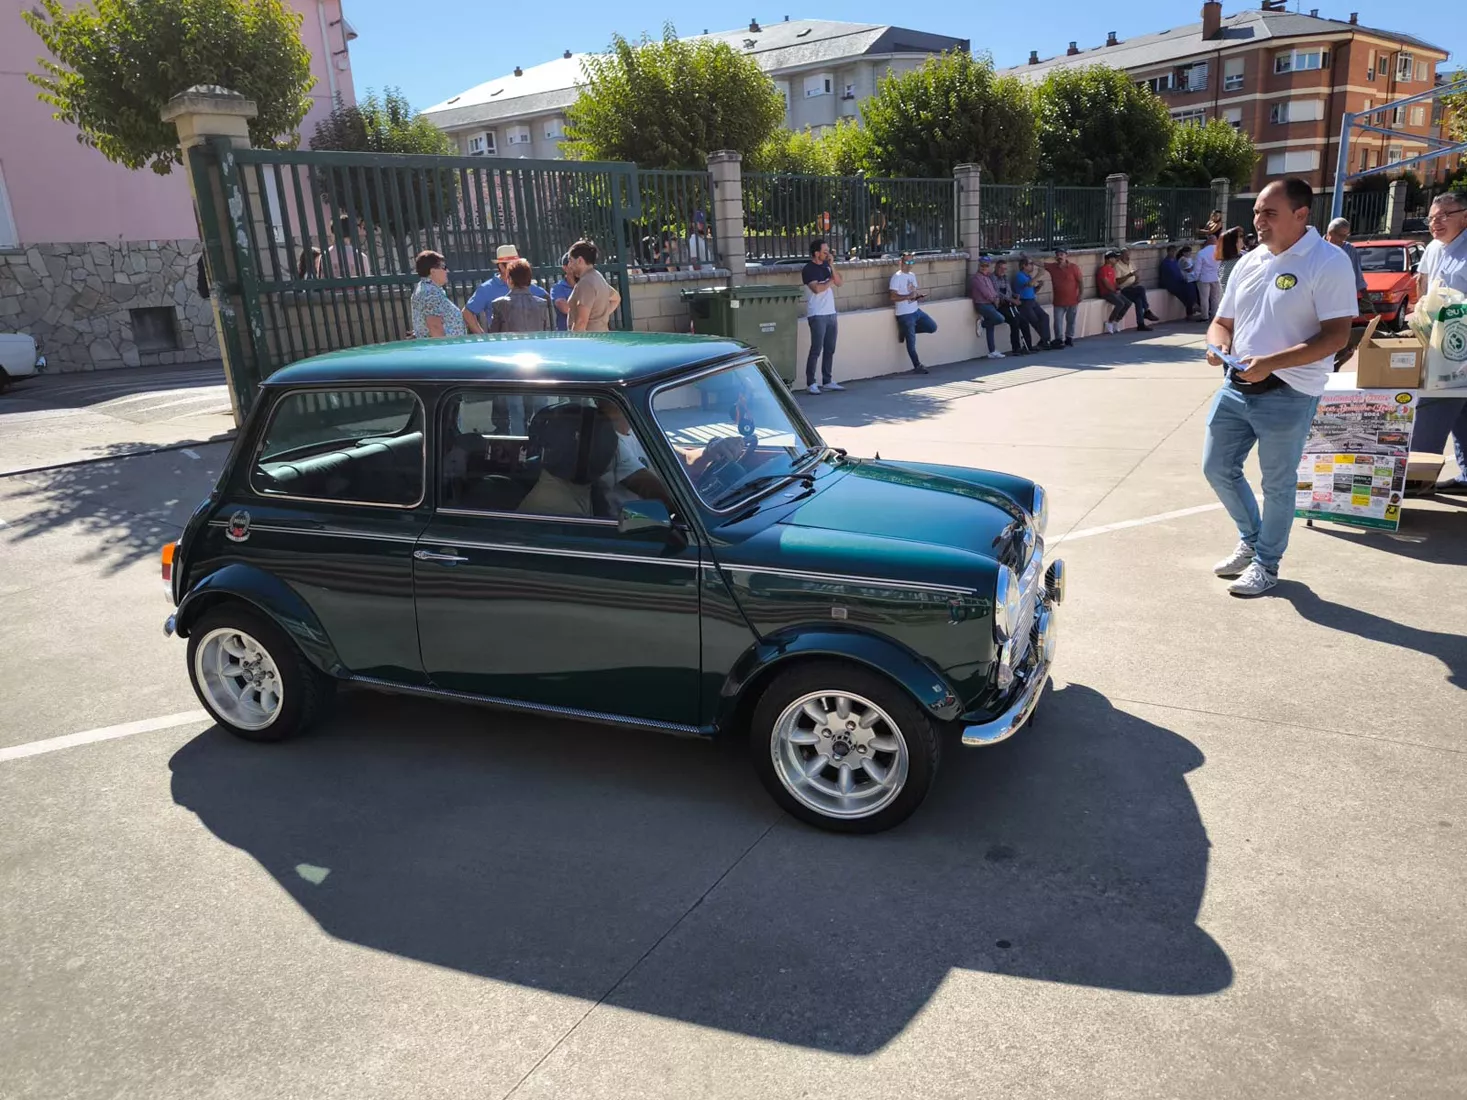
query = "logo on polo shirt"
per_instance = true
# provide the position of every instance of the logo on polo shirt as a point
(1286, 282)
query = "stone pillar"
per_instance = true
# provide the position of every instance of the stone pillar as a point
(1117, 188)
(725, 169)
(1222, 194)
(969, 179)
(1395, 208)
(200, 114)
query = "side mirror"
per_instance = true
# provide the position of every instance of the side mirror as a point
(643, 515)
(1413, 268)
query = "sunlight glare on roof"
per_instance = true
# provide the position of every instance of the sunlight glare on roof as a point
(526, 360)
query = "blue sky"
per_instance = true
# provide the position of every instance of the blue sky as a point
(436, 49)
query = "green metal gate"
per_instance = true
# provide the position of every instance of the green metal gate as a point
(262, 212)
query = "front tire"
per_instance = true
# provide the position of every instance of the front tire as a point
(251, 677)
(843, 748)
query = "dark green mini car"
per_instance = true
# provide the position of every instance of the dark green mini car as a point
(635, 529)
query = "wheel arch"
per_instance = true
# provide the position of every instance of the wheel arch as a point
(777, 653)
(270, 596)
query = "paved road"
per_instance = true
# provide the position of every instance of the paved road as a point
(1229, 860)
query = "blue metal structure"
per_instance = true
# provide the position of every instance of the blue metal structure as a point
(1353, 121)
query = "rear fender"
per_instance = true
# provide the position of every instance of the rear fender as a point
(269, 595)
(766, 658)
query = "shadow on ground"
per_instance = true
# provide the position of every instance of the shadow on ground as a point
(128, 502)
(654, 873)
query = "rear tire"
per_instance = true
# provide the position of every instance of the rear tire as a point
(843, 748)
(251, 677)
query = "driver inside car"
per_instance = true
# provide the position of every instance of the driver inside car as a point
(630, 476)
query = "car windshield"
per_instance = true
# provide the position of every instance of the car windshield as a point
(1383, 259)
(734, 433)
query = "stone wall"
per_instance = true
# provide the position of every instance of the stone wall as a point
(75, 299)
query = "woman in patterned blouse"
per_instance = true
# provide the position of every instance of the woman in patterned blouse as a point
(433, 313)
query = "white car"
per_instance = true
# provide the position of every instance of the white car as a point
(19, 357)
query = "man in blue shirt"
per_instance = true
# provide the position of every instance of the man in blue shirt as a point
(497, 287)
(560, 295)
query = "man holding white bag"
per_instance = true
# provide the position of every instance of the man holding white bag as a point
(1444, 263)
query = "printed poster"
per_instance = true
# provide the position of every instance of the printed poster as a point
(1354, 465)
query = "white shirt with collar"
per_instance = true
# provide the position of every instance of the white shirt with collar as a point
(1276, 302)
(1446, 264)
(1207, 267)
(904, 282)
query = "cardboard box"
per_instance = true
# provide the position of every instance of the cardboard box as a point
(1389, 362)
(1422, 470)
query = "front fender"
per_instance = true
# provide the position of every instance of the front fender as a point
(925, 684)
(269, 595)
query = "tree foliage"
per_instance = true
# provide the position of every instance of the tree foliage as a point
(1197, 155)
(394, 200)
(952, 110)
(669, 103)
(1094, 121)
(118, 62)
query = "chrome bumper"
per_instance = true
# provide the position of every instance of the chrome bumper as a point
(1021, 708)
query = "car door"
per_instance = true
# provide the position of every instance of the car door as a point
(527, 591)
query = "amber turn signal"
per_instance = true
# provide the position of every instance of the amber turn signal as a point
(168, 548)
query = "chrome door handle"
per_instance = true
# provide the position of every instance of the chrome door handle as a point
(429, 555)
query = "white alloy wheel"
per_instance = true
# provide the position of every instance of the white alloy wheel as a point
(238, 678)
(839, 754)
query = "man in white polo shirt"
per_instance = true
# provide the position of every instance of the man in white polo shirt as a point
(1285, 313)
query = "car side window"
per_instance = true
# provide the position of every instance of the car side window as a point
(563, 456)
(355, 446)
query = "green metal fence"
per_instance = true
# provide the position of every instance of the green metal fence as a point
(857, 216)
(672, 225)
(1170, 213)
(1041, 217)
(1365, 210)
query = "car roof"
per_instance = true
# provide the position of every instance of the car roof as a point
(602, 358)
(1403, 243)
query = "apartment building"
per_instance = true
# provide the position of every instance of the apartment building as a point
(1284, 78)
(823, 69)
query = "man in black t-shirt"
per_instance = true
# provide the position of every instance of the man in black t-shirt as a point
(820, 279)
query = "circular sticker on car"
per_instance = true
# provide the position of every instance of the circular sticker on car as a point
(1286, 282)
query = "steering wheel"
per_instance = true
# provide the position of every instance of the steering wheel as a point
(726, 453)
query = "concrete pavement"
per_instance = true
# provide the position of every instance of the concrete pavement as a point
(1227, 860)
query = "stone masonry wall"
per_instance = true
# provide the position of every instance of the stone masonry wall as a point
(75, 300)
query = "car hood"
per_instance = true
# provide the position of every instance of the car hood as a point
(1382, 282)
(890, 500)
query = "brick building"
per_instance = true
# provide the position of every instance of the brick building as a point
(1284, 78)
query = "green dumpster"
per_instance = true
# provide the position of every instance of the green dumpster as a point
(756, 313)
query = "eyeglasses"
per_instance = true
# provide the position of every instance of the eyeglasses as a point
(1445, 214)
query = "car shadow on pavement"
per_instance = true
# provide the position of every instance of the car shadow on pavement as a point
(655, 875)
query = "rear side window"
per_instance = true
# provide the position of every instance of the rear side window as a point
(356, 446)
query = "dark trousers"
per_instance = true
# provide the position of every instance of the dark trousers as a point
(910, 324)
(1018, 334)
(1136, 295)
(990, 318)
(1119, 304)
(1031, 315)
(1186, 293)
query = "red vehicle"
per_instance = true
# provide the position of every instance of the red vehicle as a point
(1390, 281)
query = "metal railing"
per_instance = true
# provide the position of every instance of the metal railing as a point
(1365, 210)
(857, 216)
(1167, 213)
(672, 227)
(1041, 217)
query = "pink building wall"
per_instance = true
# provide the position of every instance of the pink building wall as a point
(60, 190)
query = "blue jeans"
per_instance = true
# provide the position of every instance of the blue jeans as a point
(1278, 421)
(1064, 315)
(910, 324)
(990, 318)
(1436, 418)
(822, 347)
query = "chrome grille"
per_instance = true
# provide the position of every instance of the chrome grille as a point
(1031, 588)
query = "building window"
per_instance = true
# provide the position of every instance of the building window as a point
(9, 238)
(1233, 116)
(783, 88)
(518, 135)
(1233, 74)
(1370, 67)
(1298, 61)
(1383, 66)
(1160, 84)
(1404, 64)
(481, 145)
(1297, 110)
(819, 84)
(1394, 155)
(1423, 72)
(849, 93)
(1197, 116)
(1295, 160)
(1193, 78)
(555, 129)
(1418, 116)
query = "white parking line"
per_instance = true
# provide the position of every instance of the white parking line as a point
(106, 733)
(1162, 517)
(192, 454)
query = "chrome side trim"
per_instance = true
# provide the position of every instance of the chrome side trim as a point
(841, 578)
(473, 514)
(557, 552)
(534, 708)
(1021, 709)
(325, 532)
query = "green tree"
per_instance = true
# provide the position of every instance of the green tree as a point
(953, 110)
(669, 103)
(1198, 155)
(790, 151)
(1094, 121)
(394, 200)
(117, 62)
(846, 149)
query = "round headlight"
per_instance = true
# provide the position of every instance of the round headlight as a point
(1041, 509)
(1005, 604)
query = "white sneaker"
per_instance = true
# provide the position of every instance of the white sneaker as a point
(1236, 562)
(1255, 581)
(814, 388)
(833, 386)
(996, 355)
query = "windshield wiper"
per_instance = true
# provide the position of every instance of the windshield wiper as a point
(753, 485)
